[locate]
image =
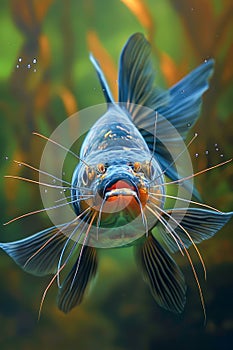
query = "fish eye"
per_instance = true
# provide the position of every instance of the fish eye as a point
(137, 167)
(88, 175)
(101, 168)
(85, 176)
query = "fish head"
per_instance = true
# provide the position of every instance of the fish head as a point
(117, 188)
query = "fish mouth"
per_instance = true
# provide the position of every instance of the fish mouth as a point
(120, 203)
(121, 194)
(120, 188)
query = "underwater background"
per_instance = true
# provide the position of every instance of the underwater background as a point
(45, 76)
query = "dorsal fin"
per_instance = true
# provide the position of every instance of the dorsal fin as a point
(180, 105)
(102, 79)
(137, 75)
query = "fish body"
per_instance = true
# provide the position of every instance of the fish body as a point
(123, 183)
(118, 188)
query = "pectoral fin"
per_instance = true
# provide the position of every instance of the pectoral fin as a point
(39, 253)
(164, 277)
(198, 225)
(74, 286)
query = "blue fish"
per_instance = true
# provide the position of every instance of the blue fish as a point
(118, 188)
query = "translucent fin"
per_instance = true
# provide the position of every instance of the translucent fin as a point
(39, 253)
(74, 286)
(136, 77)
(103, 82)
(185, 100)
(181, 112)
(162, 274)
(200, 224)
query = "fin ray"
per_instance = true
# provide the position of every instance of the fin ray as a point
(136, 77)
(74, 286)
(39, 253)
(164, 277)
(201, 224)
(102, 79)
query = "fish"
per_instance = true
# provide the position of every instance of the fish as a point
(118, 190)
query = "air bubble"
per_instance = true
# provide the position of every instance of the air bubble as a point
(205, 60)
(45, 191)
(20, 59)
(34, 60)
(217, 149)
(216, 145)
(29, 66)
(221, 155)
(195, 134)
(188, 125)
(17, 66)
(207, 152)
(6, 157)
(196, 155)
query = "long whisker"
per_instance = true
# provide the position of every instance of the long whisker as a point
(177, 157)
(162, 220)
(186, 232)
(52, 280)
(193, 175)
(61, 146)
(191, 264)
(99, 217)
(47, 288)
(81, 251)
(78, 198)
(154, 141)
(188, 256)
(66, 225)
(154, 195)
(74, 245)
(39, 211)
(41, 171)
(44, 183)
(144, 219)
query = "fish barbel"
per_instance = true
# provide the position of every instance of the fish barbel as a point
(118, 189)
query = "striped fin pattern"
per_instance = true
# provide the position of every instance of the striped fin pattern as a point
(200, 224)
(74, 286)
(164, 277)
(39, 253)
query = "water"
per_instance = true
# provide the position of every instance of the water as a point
(53, 41)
